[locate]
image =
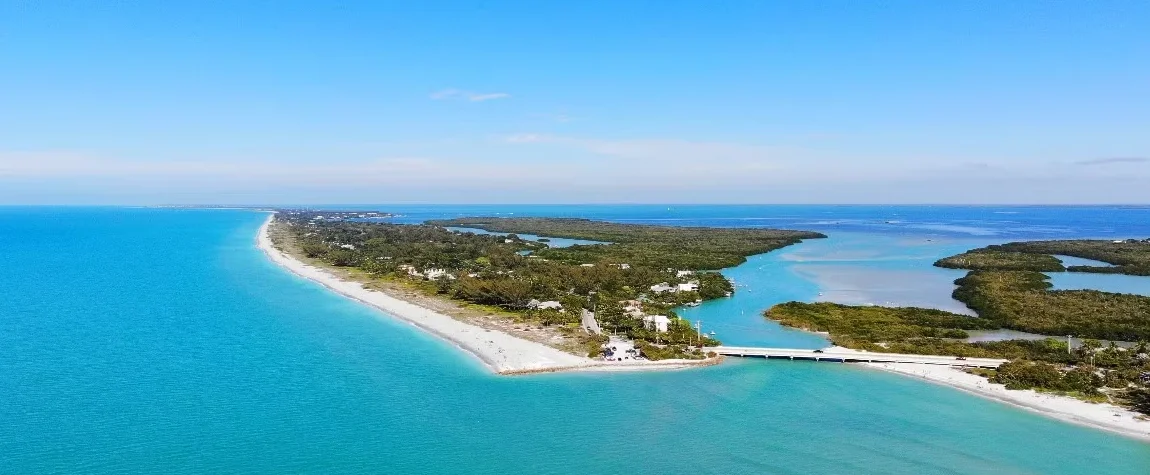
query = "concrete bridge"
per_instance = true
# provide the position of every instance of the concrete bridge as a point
(852, 356)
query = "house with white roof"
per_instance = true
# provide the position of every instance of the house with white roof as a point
(410, 269)
(658, 323)
(436, 274)
(546, 305)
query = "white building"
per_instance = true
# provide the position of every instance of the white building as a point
(410, 269)
(657, 322)
(684, 273)
(633, 308)
(663, 287)
(689, 287)
(550, 304)
(436, 274)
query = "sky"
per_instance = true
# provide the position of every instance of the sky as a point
(835, 101)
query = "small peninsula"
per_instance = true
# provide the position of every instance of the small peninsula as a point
(1007, 285)
(1124, 256)
(612, 302)
(679, 247)
(1007, 288)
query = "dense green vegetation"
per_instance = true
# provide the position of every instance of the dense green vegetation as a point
(1007, 286)
(612, 280)
(850, 325)
(913, 330)
(1021, 300)
(640, 245)
(1039, 364)
(1088, 371)
(983, 259)
(1038, 375)
(1139, 399)
(1129, 256)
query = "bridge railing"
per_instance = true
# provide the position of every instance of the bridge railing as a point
(852, 356)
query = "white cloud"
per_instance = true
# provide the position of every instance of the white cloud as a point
(527, 138)
(459, 94)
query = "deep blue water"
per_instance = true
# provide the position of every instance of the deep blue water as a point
(162, 341)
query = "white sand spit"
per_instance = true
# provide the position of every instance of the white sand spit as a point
(1101, 416)
(503, 353)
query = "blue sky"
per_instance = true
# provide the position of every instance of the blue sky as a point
(574, 102)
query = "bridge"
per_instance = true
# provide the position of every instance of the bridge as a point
(852, 356)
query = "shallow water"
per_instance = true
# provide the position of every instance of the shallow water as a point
(1004, 334)
(890, 270)
(162, 341)
(1117, 283)
(551, 241)
(1079, 261)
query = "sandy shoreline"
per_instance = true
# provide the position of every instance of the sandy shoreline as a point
(1107, 417)
(503, 353)
(507, 354)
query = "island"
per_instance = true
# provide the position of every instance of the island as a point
(1124, 256)
(578, 307)
(1065, 352)
(678, 247)
(1007, 285)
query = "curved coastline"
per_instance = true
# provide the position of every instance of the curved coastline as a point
(1107, 417)
(508, 355)
(500, 352)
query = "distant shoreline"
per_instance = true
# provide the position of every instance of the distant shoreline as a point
(500, 352)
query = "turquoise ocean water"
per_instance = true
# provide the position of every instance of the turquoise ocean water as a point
(162, 341)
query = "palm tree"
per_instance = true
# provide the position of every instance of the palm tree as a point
(1087, 349)
(1142, 348)
(1140, 400)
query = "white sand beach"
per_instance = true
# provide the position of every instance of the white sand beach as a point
(503, 353)
(1101, 416)
(507, 354)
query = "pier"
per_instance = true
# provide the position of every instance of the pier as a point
(852, 356)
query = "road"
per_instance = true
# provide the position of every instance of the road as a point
(853, 356)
